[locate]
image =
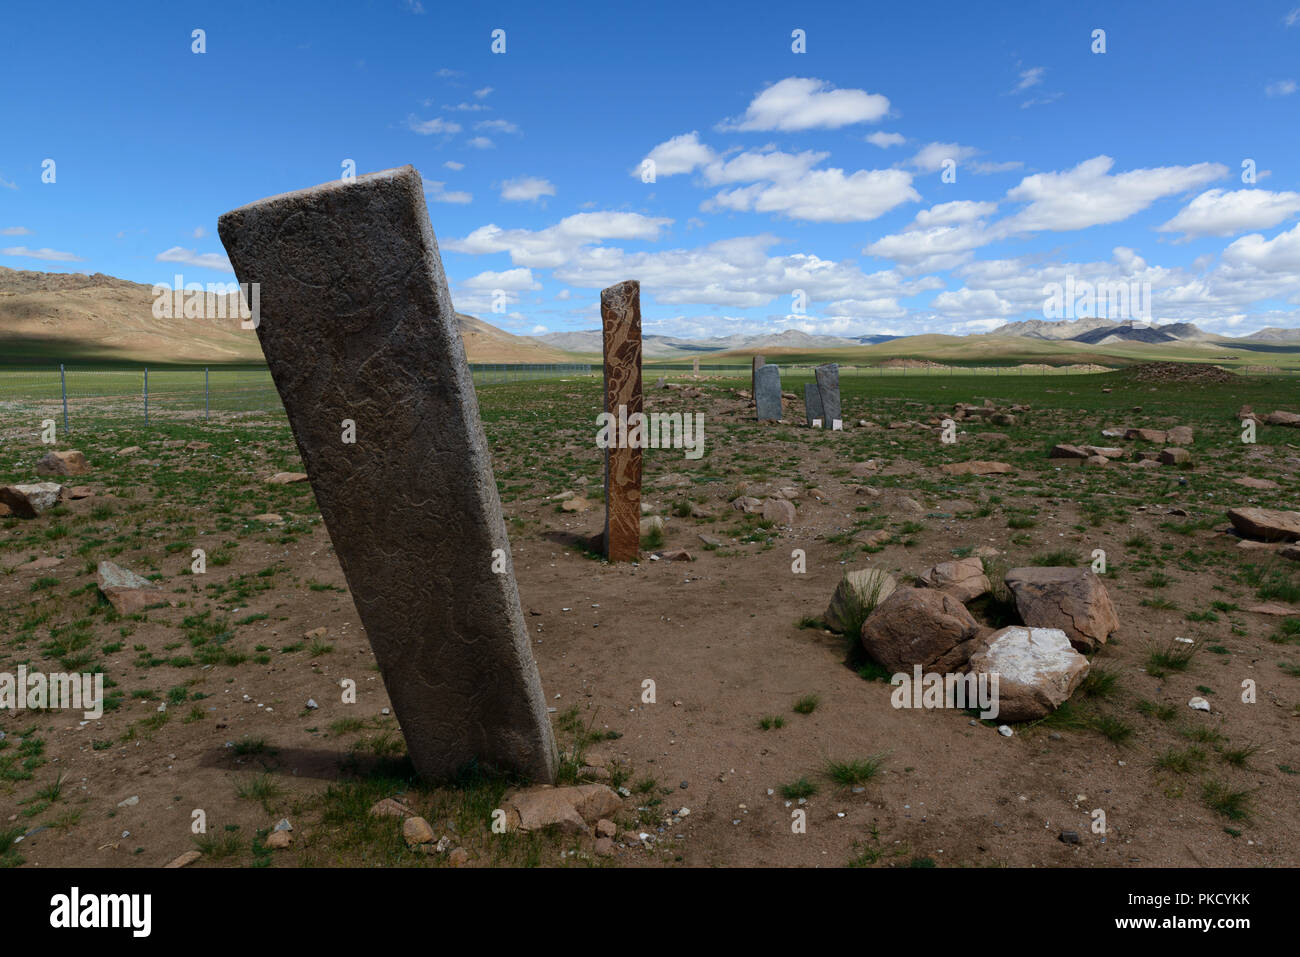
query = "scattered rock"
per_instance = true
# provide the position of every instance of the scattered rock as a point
(778, 510)
(1199, 704)
(287, 478)
(458, 858)
(860, 588)
(1257, 483)
(1037, 667)
(1265, 524)
(1173, 456)
(964, 579)
(1071, 599)
(575, 504)
(70, 462)
(390, 807)
(570, 809)
(416, 831)
(604, 847)
(1067, 452)
(649, 524)
(28, 501)
(1158, 436)
(916, 626)
(1290, 419)
(126, 591)
(676, 555)
(189, 857)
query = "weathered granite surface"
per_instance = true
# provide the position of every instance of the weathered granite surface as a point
(357, 323)
(767, 392)
(812, 406)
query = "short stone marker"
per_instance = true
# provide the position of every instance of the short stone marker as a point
(620, 317)
(695, 366)
(767, 392)
(828, 384)
(758, 363)
(357, 324)
(812, 405)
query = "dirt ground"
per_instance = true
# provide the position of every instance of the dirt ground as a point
(727, 639)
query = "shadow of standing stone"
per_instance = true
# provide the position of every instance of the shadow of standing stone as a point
(357, 326)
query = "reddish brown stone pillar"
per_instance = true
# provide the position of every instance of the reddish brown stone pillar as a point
(620, 316)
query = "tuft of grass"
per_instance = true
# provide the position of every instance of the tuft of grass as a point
(1100, 683)
(770, 721)
(803, 788)
(1239, 757)
(1059, 557)
(1175, 656)
(1187, 761)
(1222, 799)
(807, 704)
(854, 772)
(1153, 709)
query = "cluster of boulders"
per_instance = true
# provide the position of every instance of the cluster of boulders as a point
(1065, 611)
(1289, 419)
(1174, 440)
(993, 414)
(31, 499)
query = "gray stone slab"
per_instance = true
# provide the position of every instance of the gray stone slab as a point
(812, 406)
(828, 384)
(767, 392)
(357, 324)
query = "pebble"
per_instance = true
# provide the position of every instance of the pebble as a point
(1005, 731)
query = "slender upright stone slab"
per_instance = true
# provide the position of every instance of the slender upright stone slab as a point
(767, 392)
(695, 366)
(759, 362)
(828, 384)
(620, 317)
(812, 406)
(357, 324)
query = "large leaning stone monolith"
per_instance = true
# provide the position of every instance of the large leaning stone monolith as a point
(767, 393)
(358, 329)
(620, 316)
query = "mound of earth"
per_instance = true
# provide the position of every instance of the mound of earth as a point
(1180, 372)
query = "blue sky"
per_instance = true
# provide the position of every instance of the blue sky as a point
(775, 171)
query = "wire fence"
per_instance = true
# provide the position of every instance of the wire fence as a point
(652, 367)
(664, 368)
(81, 397)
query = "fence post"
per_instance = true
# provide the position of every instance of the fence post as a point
(146, 395)
(63, 385)
(205, 394)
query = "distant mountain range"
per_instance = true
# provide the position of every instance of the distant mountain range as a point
(1107, 332)
(56, 316)
(669, 347)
